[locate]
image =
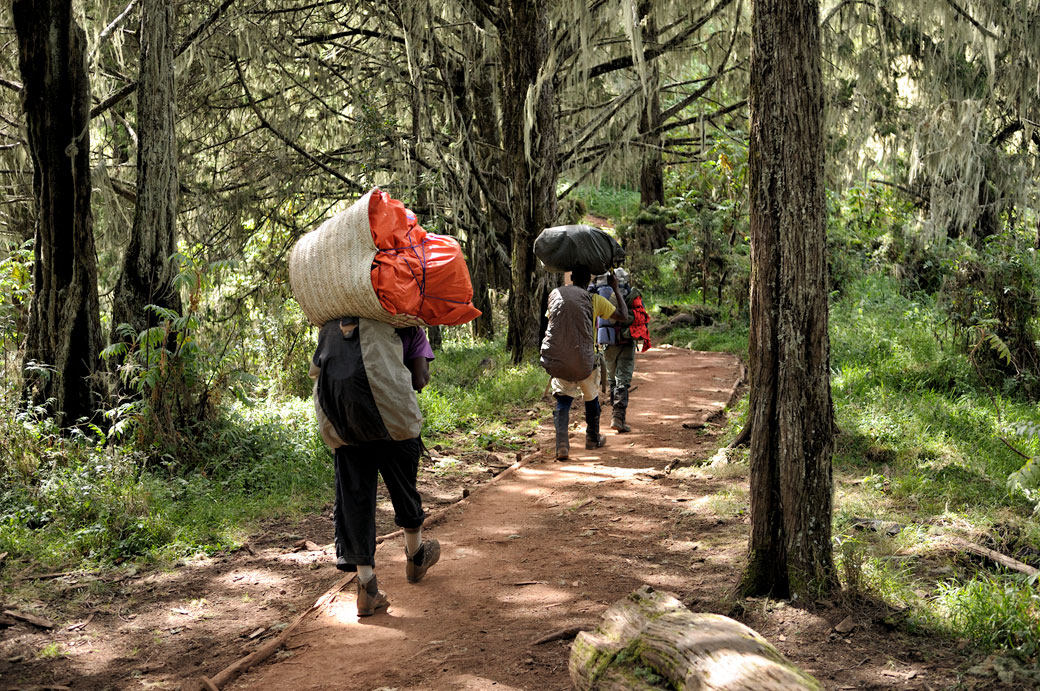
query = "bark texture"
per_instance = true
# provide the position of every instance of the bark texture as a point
(147, 276)
(651, 171)
(651, 634)
(791, 415)
(529, 139)
(64, 328)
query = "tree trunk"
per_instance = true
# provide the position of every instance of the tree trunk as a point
(791, 415)
(483, 326)
(650, 633)
(148, 272)
(492, 269)
(435, 336)
(651, 173)
(530, 158)
(64, 329)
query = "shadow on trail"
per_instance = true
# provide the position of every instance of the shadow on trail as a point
(551, 547)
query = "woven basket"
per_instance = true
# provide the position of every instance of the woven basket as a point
(330, 270)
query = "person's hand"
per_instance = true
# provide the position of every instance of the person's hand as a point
(612, 280)
(420, 373)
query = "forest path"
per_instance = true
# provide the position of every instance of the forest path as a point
(548, 547)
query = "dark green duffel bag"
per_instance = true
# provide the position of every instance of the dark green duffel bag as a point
(562, 248)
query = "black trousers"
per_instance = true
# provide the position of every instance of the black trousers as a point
(355, 509)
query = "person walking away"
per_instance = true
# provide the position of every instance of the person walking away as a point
(365, 376)
(568, 354)
(618, 339)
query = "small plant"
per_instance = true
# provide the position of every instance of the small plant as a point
(852, 558)
(15, 291)
(1026, 479)
(50, 651)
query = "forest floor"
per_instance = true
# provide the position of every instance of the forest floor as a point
(547, 546)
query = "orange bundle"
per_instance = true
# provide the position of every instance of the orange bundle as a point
(415, 272)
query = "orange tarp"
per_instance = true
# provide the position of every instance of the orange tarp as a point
(415, 272)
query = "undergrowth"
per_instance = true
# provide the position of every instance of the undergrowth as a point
(86, 502)
(920, 447)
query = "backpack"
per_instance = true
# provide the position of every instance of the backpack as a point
(568, 349)
(364, 388)
(611, 332)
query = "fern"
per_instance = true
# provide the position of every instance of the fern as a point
(1027, 477)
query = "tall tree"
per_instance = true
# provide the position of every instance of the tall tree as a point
(791, 413)
(147, 276)
(651, 170)
(64, 329)
(529, 137)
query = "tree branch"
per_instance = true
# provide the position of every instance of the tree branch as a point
(625, 62)
(107, 31)
(367, 33)
(703, 88)
(962, 12)
(357, 187)
(123, 93)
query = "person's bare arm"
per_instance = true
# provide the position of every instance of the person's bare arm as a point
(621, 313)
(420, 368)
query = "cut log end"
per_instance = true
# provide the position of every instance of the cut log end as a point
(649, 640)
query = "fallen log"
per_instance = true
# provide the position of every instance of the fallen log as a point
(994, 556)
(39, 622)
(649, 637)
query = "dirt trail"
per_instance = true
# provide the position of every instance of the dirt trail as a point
(550, 546)
(554, 544)
(547, 547)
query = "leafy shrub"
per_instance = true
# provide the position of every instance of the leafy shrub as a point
(707, 218)
(473, 382)
(866, 231)
(15, 290)
(991, 298)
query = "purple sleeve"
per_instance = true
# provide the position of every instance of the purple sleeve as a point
(413, 339)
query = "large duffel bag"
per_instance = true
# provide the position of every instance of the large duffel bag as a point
(375, 261)
(563, 248)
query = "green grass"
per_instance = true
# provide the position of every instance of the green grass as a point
(721, 338)
(473, 387)
(614, 203)
(729, 333)
(920, 445)
(903, 399)
(95, 506)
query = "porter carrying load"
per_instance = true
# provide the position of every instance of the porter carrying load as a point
(374, 260)
(563, 248)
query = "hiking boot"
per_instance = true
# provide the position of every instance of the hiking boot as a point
(593, 439)
(617, 422)
(561, 419)
(425, 557)
(617, 417)
(370, 598)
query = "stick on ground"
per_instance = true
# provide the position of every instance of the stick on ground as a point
(267, 649)
(994, 556)
(563, 634)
